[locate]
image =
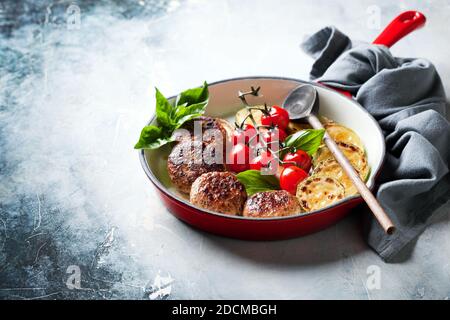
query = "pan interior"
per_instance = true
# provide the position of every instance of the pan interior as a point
(224, 103)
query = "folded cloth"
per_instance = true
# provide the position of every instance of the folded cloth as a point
(407, 99)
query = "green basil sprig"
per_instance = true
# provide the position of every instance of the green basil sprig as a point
(188, 105)
(255, 182)
(308, 140)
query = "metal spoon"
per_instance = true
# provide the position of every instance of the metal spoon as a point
(302, 104)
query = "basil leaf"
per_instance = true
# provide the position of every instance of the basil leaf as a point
(255, 182)
(163, 111)
(186, 113)
(152, 137)
(189, 104)
(307, 140)
(193, 96)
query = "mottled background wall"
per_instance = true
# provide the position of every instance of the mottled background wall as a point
(74, 94)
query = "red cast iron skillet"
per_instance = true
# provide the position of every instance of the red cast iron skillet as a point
(340, 108)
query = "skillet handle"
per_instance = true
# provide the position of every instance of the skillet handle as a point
(401, 26)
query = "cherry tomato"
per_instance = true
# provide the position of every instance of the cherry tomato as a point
(238, 158)
(291, 177)
(300, 159)
(275, 134)
(245, 134)
(261, 161)
(277, 117)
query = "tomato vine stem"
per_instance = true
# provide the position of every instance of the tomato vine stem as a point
(266, 110)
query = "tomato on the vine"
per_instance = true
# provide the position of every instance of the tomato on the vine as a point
(300, 159)
(277, 117)
(244, 134)
(262, 161)
(238, 158)
(274, 134)
(291, 177)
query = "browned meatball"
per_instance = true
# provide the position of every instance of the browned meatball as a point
(212, 129)
(219, 191)
(271, 204)
(188, 161)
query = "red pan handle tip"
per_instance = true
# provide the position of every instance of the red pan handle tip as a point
(401, 26)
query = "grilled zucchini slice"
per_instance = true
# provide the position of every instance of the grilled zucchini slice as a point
(342, 134)
(326, 122)
(243, 113)
(295, 126)
(331, 168)
(354, 154)
(318, 192)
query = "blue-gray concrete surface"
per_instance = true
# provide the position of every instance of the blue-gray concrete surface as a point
(78, 217)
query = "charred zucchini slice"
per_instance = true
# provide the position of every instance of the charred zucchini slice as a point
(326, 122)
(354, 154)
(342, 134)
(331, 168)
(317, 192)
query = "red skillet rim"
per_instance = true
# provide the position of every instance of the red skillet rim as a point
(162, 188)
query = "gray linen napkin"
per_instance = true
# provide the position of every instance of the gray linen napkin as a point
(407, 99)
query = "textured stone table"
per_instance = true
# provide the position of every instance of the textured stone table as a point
(78, 217)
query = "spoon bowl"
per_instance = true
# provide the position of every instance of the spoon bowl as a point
(301, 102)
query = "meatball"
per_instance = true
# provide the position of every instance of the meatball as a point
(188, 160)
(271, 204)
(219, 191)
(212, 129)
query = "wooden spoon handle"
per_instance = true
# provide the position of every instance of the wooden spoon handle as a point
(366, 194)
